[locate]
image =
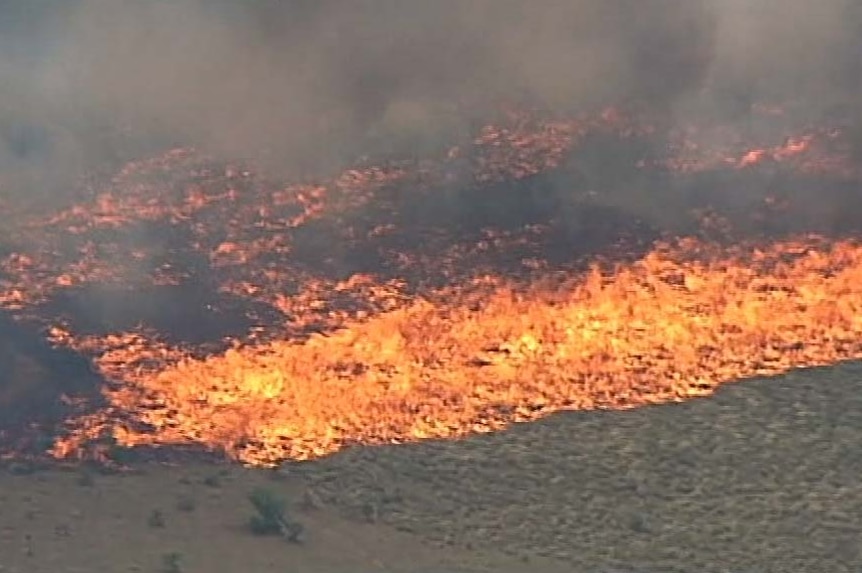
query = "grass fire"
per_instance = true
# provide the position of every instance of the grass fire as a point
(422, 328)
(576, 286)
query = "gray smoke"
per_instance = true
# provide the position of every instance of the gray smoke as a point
(306, 83)
(787, 51)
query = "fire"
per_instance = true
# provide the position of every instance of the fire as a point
(673, 325)
(793, 147)
(441, 343)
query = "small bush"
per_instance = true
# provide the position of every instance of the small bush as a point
(171, 563)
(270, 518)
(156, 519)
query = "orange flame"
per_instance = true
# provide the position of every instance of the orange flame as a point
(676, 324)
(793, 147)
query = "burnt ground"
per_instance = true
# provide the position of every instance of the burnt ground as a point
(760, 477)
(191, 314)
(40, 385)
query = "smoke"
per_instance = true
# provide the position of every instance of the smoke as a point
(786, 51)
(303, 84)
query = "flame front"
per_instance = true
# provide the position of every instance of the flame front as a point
(663, 329)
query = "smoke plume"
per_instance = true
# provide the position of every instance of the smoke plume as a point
(301, 84)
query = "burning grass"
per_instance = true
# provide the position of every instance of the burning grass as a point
(390, 322)
(673, 325)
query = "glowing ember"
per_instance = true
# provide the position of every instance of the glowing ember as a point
(791, 148)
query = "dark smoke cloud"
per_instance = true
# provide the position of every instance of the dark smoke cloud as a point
(305, 83)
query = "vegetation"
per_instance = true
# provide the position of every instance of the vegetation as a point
(171, 563)
(156, 519)
(271, 518)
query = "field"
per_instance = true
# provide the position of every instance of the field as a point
(763, 476)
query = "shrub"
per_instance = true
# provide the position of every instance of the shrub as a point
(271, 518)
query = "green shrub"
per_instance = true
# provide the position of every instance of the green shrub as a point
(271, 518)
